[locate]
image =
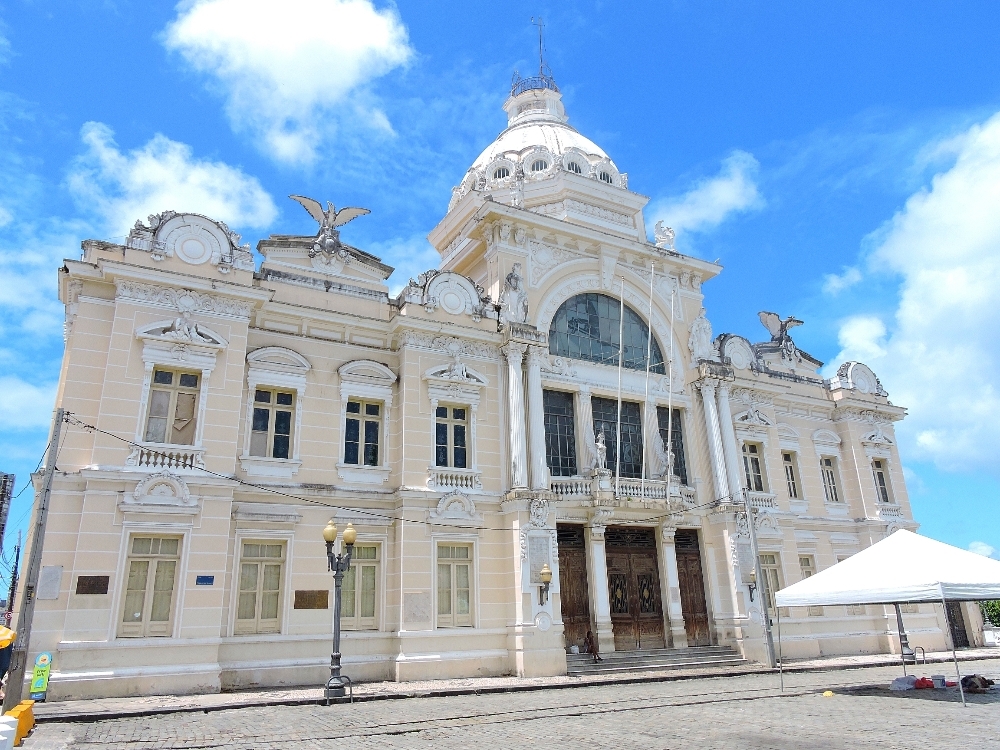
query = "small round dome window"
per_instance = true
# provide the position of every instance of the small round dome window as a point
(501, 173)
(539, 165)
(574, 167)
(607, 178)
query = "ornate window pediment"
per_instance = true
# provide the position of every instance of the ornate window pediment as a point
(456, 507)
(827, 439)
(182, 330)
(163, 492)
(367, 372)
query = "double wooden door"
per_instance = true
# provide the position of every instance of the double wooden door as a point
(956, 622)
(573, 593)
(692, 585)
(634, 588)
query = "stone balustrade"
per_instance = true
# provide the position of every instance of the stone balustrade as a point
(166, 457)
(444, 478)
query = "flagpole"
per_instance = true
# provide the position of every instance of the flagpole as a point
(670, 393)
(621, 361)
(649, 355)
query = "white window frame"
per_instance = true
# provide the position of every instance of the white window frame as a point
(890, 498)
(793, 480)
(747, 455)
(365, 380)
(451, 423)
(445, 388)
(768, 593)
(131, 529)
(471, 541)
(838, 486)
(269, 536)
(356, 623)
(274, 368)
(283, 584)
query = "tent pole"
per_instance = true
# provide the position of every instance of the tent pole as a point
(781, 666)
(954, 656)
(899, 626)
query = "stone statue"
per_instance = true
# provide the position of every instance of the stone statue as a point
(700, 338)
(184, 329)
(514, 298)
(328, 238)
(778, 329)
(664, 236)
(457, 370)
(602, 452)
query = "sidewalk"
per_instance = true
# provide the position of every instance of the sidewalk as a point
(98, 709)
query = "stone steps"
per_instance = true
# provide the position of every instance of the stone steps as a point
(649, 660)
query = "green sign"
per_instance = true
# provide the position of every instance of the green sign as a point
(40, 677)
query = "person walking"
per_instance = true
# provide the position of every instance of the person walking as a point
(590, 646)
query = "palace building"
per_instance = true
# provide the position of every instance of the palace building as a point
(551, 394)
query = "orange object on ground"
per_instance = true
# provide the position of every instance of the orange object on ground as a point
(923, 683)
(25, 715)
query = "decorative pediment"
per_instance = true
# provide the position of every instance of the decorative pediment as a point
(450, 291)
(827, 439)
(278, 366)
(192, 238)
(457, 372)
(738, 350)
(859, 377)
(182, 330)
(877, 437)
(456, 507)
(367, 372)
(163, 492)
(788, 437)
(753, 416)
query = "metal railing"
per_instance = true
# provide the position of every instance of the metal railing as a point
(534, 82)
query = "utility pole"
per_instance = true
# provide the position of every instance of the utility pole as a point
(13, 581)
(19, 657)
(6, 493)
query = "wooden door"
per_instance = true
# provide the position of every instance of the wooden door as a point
(692, 585)
(634, 588)
(956, 621)
(573, 594)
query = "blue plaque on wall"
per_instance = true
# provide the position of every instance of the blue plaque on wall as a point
(205, 581)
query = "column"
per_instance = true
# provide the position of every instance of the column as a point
(597, 580)
(539, 470)
(586, 449)
(675, 614)
(514, 353)
(729, 447)
(720, 477)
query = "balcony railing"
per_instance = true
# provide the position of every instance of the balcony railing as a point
(166, 457)
(521, 85)
(444, 478)
(569, 486)
(761, 500)
(628, 489)
(889, 511)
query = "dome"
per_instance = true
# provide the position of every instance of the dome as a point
(537, 142)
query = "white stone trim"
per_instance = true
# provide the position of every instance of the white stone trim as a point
(365, 379)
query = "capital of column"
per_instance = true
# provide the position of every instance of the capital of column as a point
(537, 356)
(514, 352)
(707, 388)
(668, 529)
(723, 390)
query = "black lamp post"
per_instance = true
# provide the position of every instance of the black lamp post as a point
(339, 564)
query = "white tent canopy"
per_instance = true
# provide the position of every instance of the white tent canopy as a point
(903, 567)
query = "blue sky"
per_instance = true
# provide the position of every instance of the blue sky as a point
(841, 160)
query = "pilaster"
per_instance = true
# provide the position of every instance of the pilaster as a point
(597, 578)
(514, 354)
(672, 595)
(720, 477)
(729, 447)
(539, 471)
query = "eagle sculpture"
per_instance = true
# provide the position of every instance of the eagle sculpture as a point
(777, 327)
(327, 241)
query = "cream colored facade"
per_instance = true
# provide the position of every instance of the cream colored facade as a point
(184, 549)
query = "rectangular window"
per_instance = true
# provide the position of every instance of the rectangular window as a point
(771, 570)
(451, 437)
(560, 433)
(359, 600)
(671, 433)
(173, 405)
(259, 604)
(151, 571)
(606, 418)
(791, 480)
(808, 568)
(271, 430)
(828, 467)
(361, 438)
(454, 585)
(751, 467)
(880, 471)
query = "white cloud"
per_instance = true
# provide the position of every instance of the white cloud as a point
(164, 174)
(835, 283)
(942, 354)
(982, 548)
(24, 405)
(713, 200)
(284, 67)
(409, 256)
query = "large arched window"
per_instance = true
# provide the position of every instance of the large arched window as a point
(587, 327)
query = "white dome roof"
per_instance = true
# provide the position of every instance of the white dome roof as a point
(557, 137)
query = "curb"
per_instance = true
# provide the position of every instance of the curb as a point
(95, 716)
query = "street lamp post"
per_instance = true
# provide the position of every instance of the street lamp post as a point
(339, 564)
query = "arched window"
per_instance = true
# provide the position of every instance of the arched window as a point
(539, 165)
(502, 173)
(606, 176)
(587, 327)
(574, 167)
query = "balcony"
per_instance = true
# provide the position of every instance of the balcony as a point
(444, 479)
(761, 500)
(628, 489)
(889, 512)
(569, 486)
(156, 457)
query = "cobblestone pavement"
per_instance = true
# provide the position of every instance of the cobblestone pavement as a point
(746, 712)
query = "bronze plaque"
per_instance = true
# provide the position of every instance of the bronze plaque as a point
(311, 599)
(92, 584)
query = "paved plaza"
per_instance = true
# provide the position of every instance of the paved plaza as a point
(746, 711)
